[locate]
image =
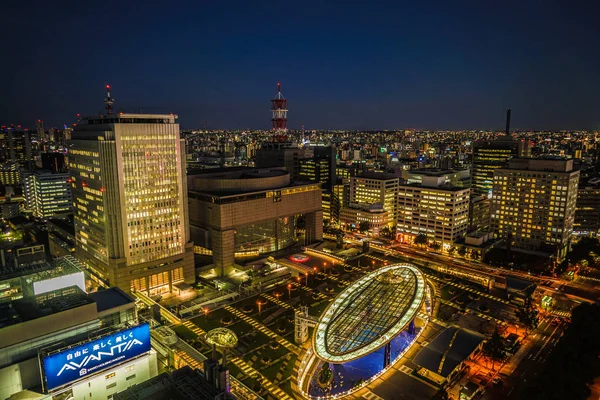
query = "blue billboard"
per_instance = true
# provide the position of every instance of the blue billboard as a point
(94, 356)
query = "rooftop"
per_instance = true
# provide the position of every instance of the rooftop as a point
(30, 308)
(369, 313)
(181, 384)
(66, 225)
(450, 348)
(111, 298)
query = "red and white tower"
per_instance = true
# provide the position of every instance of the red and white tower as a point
(279, 110)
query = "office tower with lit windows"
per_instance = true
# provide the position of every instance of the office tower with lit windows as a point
(10, 174)
(489, 155)
(320, 167)
(533, 204)
(432, 208)
(15, 144)
(587, 213)
(375, 188)
(130, 199)
(49, 194)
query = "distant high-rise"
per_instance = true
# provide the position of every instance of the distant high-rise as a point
(533, 203)
(54, 162)
(39, 126)
(489, 155)
(130, 199)
(49, 194)
(16, 147)
(587, 215)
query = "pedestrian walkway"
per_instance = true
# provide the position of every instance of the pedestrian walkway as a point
(262, 328)
(267, 384)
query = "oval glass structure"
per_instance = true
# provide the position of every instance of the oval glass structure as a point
(369, 313)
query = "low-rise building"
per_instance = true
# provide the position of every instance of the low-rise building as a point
(374, 215)
(67, 344)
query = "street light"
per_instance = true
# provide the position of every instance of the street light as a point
(206, 314)
(325, 267)
(289, 291)
(307, 279)
(260, 303)
(277, 294)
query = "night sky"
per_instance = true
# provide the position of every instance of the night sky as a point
(346, 65)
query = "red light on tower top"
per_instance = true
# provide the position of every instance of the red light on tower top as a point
(109, 101)
(279, 110)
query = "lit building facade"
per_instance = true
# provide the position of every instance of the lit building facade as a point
(534, 203)
(46, 346)
(479, 213)
(130, 201)
(49, 194)
(15, 146)
(437, 211)
(10, 174)
(241, 212)
(489, 155)
(374, 215)
(587, 214)
(373, 187)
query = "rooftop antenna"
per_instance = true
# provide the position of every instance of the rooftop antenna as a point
(508, 111)
(109, 101)
(279, 110)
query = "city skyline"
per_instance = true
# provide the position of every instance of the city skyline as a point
(341, 67)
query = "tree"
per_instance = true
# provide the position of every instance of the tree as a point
(421, 240)
(452, 250)
(364, 226)
(528, 314)
(462, 250)
(494, 348)
(574, 362)
(436, 246)
(385, 232)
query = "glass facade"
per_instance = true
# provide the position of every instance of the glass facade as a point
(266, 236)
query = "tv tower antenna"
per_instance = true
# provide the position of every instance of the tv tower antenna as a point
(279, 110)
(109, 101)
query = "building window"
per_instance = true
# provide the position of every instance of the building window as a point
(112, 385)
(130, 377)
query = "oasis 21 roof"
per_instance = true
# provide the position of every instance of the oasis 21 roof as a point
(369, 313)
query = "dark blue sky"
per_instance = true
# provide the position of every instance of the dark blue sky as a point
(346, 65)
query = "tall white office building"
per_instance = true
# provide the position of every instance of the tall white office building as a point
(130, 199)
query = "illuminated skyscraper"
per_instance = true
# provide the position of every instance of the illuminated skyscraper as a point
(130, 199)
(489, 155)
(533, 204)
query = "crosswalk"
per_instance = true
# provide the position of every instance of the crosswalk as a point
(194, 328)
(262, 328)
(253, 373)
(319, 295)
(278, 302)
